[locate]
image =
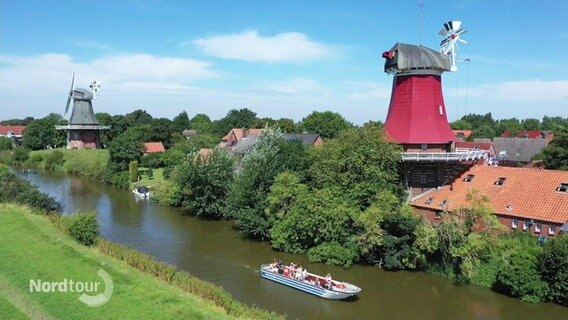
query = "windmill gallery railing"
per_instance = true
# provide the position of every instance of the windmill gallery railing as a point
(445, 156)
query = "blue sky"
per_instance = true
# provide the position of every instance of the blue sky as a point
(278, 58)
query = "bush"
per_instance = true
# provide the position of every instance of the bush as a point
(150, 173)
(120, 179)
(54, 159)
(35, 159)
(133, 171)
(20, 155)
(333, 253)
(519, 278)
(553, 267)
(152, 160)
(83, 227)
(14, 189)
(5, 143)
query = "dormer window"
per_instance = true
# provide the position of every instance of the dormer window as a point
(468, 178)
(563, 187)
(500, 181)
(429, 201)
(443, 203)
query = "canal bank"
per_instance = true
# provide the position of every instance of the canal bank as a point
(213, 251)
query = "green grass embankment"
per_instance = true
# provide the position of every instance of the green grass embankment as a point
(34, 248)
(84, 162)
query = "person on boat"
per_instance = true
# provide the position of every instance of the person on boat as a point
(304, 273)
(299, 273)
(328, 281)
(292, 269)
(287, 272)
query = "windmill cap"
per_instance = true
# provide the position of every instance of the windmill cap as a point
(82, 94)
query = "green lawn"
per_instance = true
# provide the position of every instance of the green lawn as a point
(157, 178)
(32, 248)
(85, 162)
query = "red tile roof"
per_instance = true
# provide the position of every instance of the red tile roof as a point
(465, 133)
(239, 133)
(473, 145)
(529, 134)
(154, 147)
(525, 193)
(15, 130)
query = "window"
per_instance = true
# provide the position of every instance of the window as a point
(563, 187)
(526, 225)
(500, 181)
(424, 146)
(514, 223)
(469, 178)
(443, 203)
(429, 201)
(537, 227)
(551, 229)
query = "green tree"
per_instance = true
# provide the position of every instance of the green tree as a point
(554, 123)
(398, 242)
(123, 149)
(553, 268)
(201, 123)
(512, 126)
(327, 124)
(360, 162)
(242, 118)
(5, 143)
(41, 133)
(180, 122)
(133, 171)
(104, 119)
(518, 277)
(201, 185)
(555, 155)
(477, 120)
(318, 217)
(138, 118)
(484, 131)
(461, 125)
(531, 124)
(20, 155)
(246, 201)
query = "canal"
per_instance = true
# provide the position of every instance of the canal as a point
(213, 251)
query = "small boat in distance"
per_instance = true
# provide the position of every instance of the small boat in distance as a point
(142, 192)
(317, 285)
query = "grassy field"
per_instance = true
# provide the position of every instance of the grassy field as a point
(85, 162)
(157, 178)
(33, 248)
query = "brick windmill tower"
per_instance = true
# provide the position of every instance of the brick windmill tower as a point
(417, 117)
(83, 130)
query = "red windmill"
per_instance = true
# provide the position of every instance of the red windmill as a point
(417, 114)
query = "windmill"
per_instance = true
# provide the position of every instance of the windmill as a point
(452, 31)
(83, 130)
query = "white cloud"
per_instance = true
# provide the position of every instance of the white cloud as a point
(366, 90)
(292, 86)
(250, 46)
(144, 71)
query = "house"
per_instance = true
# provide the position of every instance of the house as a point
(13, 132)
(529, 200)
(235, 135)
(517, 151)
(188, 133)
(465, 146)
(308, 139)
(530, 134)
(153, 147)
(462, 135)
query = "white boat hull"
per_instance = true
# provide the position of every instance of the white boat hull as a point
(305, 286)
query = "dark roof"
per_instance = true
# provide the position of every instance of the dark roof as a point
(408, 57)
(83, 108)
(307, 139)
(189, 133)
(514, 149)
(244, 144)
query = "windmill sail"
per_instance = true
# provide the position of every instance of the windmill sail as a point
(70, 94)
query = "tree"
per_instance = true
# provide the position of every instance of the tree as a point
(201, 123)
(327, 124)
(246, 201)
(41, 133)
(554, 123)
(360, 161)
(477, 120)
(398, 243)
(104, 119)
(242, 118)
(518, 277)
(123, 149)
(5, 143)
(555, 155)
(133, 171)
(484, 131)
(553, 268)
(201, 185)
(138, 118)
(512, 126)
(461, 125)
(531, 124)
(180, 122)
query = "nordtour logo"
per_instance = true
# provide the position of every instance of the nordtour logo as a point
(82, 287)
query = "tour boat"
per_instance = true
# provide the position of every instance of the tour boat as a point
(142, 191)
(312, 283)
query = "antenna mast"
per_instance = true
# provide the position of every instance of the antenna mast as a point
(420, 11)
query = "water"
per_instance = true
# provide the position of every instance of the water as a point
(213, 251)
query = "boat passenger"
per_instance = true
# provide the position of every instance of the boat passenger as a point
(286, 272)
(299, 273)
(304, 274)
(328, 281)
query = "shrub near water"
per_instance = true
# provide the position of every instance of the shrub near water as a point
(83, 227)
(17, 190)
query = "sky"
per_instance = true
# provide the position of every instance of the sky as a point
(277, 58)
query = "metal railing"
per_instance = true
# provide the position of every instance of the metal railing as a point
(445, 156)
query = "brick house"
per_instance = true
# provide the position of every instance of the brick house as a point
(237, 134)
(529, 200)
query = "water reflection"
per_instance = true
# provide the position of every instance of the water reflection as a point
(211, 250)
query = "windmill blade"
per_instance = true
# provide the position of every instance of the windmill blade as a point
(456, 25)
(462, 41)
(69, 98)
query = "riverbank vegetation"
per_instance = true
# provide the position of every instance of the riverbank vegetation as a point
(36, 237)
